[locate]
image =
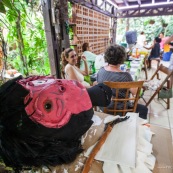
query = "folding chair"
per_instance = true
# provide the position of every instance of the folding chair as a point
(145, 67)
(125, 86)
(157, 61)
(168, 81)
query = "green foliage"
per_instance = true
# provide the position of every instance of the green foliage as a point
(71, 34)
(3, 4)
(33, 44)
(143, 24)
(2, 8)
(69, 10)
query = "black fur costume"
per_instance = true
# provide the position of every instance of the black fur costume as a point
(24, 143)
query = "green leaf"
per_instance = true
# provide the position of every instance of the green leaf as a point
(2, 8)
(7, 3)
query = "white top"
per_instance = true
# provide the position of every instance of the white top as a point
(80, 77)
(141, 39)
(99, 62)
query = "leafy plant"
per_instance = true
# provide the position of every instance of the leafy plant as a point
(26, 37)
(144, 24)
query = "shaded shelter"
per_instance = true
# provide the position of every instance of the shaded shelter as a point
(57, 23)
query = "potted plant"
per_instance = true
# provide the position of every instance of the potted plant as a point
(164, 25)
(151, 21)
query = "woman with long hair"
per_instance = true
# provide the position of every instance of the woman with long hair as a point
(72, 72)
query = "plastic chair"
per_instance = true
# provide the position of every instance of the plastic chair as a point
(167, 80)
(133, 100)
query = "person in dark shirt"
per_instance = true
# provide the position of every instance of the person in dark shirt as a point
(115, 55)
(155, 51)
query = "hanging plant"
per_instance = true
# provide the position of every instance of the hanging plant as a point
(151, 22)
(165, 25)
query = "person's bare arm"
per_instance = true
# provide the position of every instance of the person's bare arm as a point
(133, 91)
(86, 71)
(95, 83)
(148, 48)
(168, 40)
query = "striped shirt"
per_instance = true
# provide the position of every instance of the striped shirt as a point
(104, 75)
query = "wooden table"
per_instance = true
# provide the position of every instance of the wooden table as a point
(162, 149)
(135, 66)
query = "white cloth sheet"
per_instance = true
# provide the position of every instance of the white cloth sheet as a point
(122, 140)
(132, 159)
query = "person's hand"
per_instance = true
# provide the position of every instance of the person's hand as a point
(95, 83)
(83, 58)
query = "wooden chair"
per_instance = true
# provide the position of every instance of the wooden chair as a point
(168, 80)
(126, 86)
(145, 67)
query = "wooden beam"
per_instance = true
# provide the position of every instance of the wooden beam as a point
(63, 19)
(126, 3)
(152, 11)
(103, 3)
(139, 2)
(51, 39)
(113, 30)
(94, 6)
(93, 2)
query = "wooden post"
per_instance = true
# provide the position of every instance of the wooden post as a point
(113, 30)
(127, 24)
(53, 52)
(64, 23)
(55, 15)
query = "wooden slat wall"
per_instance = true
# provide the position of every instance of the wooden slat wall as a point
(92, 27)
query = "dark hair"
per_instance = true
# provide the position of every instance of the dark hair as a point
(85, 46)
(142, 32)
(64, 55)
(158, 40)
(115, 54)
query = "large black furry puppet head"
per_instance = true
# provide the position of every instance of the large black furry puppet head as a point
(42, 119)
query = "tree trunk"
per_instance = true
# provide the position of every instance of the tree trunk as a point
(127, 24)
(21, 44)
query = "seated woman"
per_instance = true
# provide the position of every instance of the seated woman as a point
(115, 56)
(155, 51)
(69, 61)
(90, 57)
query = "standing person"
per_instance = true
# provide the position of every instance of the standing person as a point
(155, 51)
(169, 41)
(72, 72)
(163, 39)
(115, 55)
(90, 57)
(164, 47)
(141, 39)
(131, 38)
